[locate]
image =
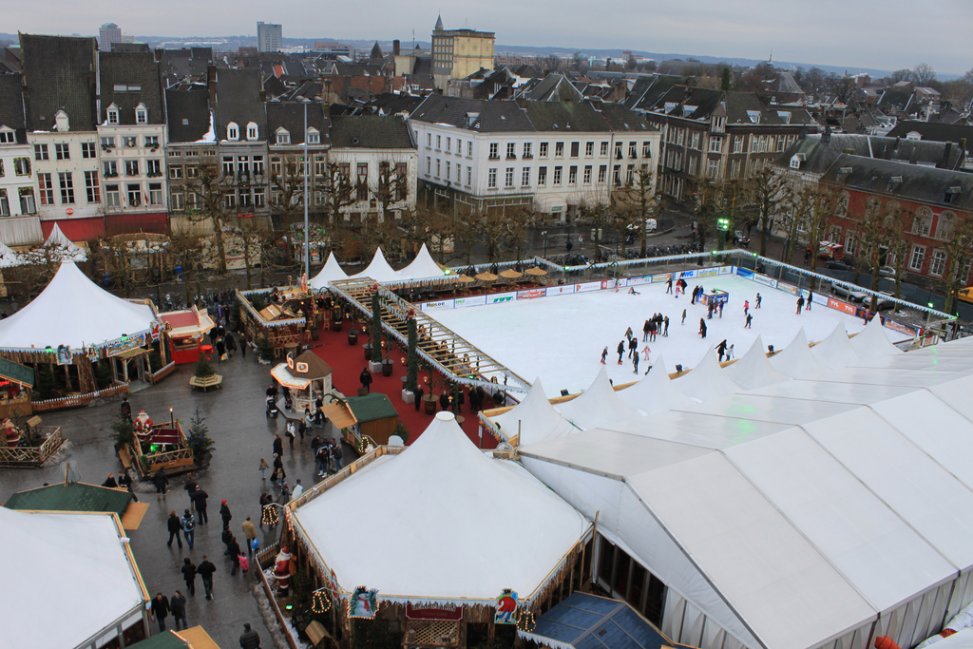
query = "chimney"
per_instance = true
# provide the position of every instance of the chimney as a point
(396, 47)
(946, 151)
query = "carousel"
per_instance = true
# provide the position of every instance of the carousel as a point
(304, 379)
(449, 585)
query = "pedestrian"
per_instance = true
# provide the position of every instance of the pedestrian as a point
(749, 321)
(249, 533)
(418, 397)
(190, 487)
(665, 327)
(635, 363)
(160, 610)
(244, 343)
(809, 300)
(199, 497)
(308, 420)
(604, 354)
(285, 494)
(233, 548)
(757, 301)
(319, 411)
(621, 350)
(188, 570)
(225, 514)
(177, 603)
(230, 344)
(721, 350)
(161, 482)
(702, 328)
(683, 316)
(366, 380)
(249, 639)
(278, 446)
(126, 409)
(188, 527)
(110, 481)
(633, 346)
(444, 401)
(746, 307)
(278, 476)
(278, 463)
(174, 526)
(125, 480)
(206, 570)
(322, 458)
(263, 468)
(298, 490)
(290, 431)
(800, 304)
(645, 331)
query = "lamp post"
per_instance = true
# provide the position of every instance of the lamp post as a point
(723, 225)
(307, 229)
(544, 234)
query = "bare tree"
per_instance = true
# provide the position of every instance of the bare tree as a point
(210, 189)
(958, 245)
(638, 201)
(922, 74)
(287, 191)
(766, 190)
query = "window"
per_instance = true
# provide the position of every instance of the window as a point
(232, 131)
(62, 151)
(647, 148)
(192, 171)
(738, 144)
(40, 152)
(22, 166)
(618, 150)
(542, 176)
(46, 189)
(449, 171)
(92, 191)
(629, 175)
(130, 142)
(559, 149)
(850, 242)
(439, 142)
(525, 177)
(575, 149)
(111, 168)
(469, 149)
(459, 171)
(459, 146)
(938, 263)
(229, 200)
(633, 150)
(260, 197)
(362, 188)
(439, 164)
(694, 139)
(107, 142)
(283, 137)
(527, 151)
(113, 197)
(153, 167)
(155, 193)
(492, 178)
(494, 151)
(508, 177)
(151, 141)
(252, 131)
(175, 173)
(175, 202)
(543, 150)
(922, 222)
(557, 176)
(65, 181)
(192, 200)
(572, 175)
(131, 167)
(589, 149)
(712, 168)
(587, 175)
(27, 205)
(258, 165)
(918, 255)
(313, 137)
(402, 187)
(469, 176)
(141, 114)
(429, 139)
(4, 203)
(112, 114)
(227, 165)
(320, 166)
(7, 136)
(134, 192)
(511, 151)
(617, 175)
(428, 165)
(603, 149)
(716, 145)
(87, 150)
(602, 173)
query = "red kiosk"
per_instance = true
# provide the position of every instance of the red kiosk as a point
(187, 333)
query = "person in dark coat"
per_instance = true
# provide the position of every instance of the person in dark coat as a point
(160, 481)
(633, 347)
(444, 401)
(418, 399)
(366, 380)
(174, 525)
(125, 480)
(702, 328)
(721, 350)
(199, 497)
(621, 350)
(189, 575)
(160, 610)
(205, 570)
(225, 514)
(126, 409)
(249, 639)
(233, 547)
(278, 446)
(177, 603)
(110, 481)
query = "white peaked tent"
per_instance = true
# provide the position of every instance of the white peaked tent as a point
(72, 310)
(453, 504)
(76, 565)
(872, 341)
(422, 267)
(753, 369)
(796, 359)
(9, 258)
(379, 269)
(836, 349)
(329, 273)
(655, 392)
(706, 381)
(599, 405)
(62, 247)
(534, 417)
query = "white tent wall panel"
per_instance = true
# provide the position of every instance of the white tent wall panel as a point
(692, 627)
(713, 635)
(673, 614)
(625, 516)
(961, 596)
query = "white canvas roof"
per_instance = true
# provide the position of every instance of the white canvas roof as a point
(796, 359)
(63, 248)
(451, 504)
(655, 392)
(836, 349)
(534, 417)
(9, 258)
(72, 310)
(872, 342)
(598, 405)
(330, 272)
(753, 369)
(379, 269)
(705, 381)
(73, 564)
(422, 267)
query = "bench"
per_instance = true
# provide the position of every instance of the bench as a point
(204, 383)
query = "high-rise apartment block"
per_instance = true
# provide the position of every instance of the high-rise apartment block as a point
(107, 34)
(269, 37)
(457, 53)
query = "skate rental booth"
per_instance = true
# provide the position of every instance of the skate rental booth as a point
(489, 547)
(74, 325)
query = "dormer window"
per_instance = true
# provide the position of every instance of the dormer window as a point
(283, 137)
(252, 131)
(796, 160)
(141, 114)
(112, 113)
(7, 135)
(232, 131)
(61, 123)
(313, 136)
(753, 116)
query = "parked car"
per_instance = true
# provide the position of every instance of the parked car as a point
(848, 293)
(835, 264)
(650, 226)
(886, 271)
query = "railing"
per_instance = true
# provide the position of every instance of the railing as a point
(164, 459)
(32, 455)
(162, 373)
(78, 400)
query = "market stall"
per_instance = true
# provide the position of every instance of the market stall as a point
(283, 317)
(187, 331)
(154, 447)
(16, 382)
(306, 378)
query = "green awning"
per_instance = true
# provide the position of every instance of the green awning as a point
(17, 373)
(371, 407)
(72, 497)
(164, 640)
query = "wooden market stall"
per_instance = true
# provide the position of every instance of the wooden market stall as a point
(364, 421)
(187, 331)
(285, 317)
(16, 382)
(306, 378)
(154, 447)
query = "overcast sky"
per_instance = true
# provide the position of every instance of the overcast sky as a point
(854, 33)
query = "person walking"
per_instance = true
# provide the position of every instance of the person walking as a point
(721, 350)
(683, 316)
(298, 490)
(206, 570)
(189, 527)
(645, 331)
(249, 533)
(278, 446)
(161, 482)
(278, 476)
(800, 304)
(807, 306)
(225, 514)
(635, 363)
(604, 355)
(418, 397)
(366, 380)
(263, 468)
(665, 327)
(199, 497)
(160, 610)
(188, 571)
(669, 285)
(177, 604)
(633, 346)
(702, 328)
(243, 345)
(746, 307)
(233, 549)
(757, 301)
(174, 527)
(249, 639)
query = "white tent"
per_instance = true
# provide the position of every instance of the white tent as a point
(76, 567)
(534, 418)
(836, 349)
(9, 258)
(422, 267)
(72, 310)
(598, 405)
(655, 392)
(753, 369)
(378, 269)
(706, 381)
(60, 247)
(329, 273)
(796, 359)
(872, 341)
(454, 505)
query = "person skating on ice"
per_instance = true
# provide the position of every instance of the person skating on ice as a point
(621, 350)
(604, 354)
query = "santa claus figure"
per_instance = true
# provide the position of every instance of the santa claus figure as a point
(282, 570)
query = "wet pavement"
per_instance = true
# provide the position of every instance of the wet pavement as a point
(242, 435)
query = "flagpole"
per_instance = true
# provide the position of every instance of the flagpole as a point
(307, 228)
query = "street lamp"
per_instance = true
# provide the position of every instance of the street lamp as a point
(723, 225)
(544, 234)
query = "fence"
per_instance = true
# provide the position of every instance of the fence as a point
(32, 456)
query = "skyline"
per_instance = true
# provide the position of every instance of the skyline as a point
(868, 34)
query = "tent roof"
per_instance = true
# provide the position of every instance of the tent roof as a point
(753, 369)
(872, 341)
(707, 380)
(445, 505)
(72, 310)
(72, 497)
(379, 269)
(317, 367)
(655, 392)
(9, 258)
(422, 267)
(75, 564)
(330, 272)
(371, 407)
(534, 417)
(836, 349)
(64, 247)
(598, 405)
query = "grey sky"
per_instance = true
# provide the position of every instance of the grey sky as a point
(886, 34)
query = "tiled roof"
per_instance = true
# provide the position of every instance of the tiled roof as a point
(918, 183)
(187, 113)
(939, 132)
(820, 152)
(741, 107)
(370, 132)
(121, 74)
(12, 105)
(290, 116)
(60, 73)
(238, 100)
(553, 87)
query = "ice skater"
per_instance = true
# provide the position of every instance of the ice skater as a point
(604, 355)
(632, 291)
(629, 333)
(729, 353)
(702, 328)
(645, 353)
(665, 326)
(683, 316)
(669, 284)
(645, 331)
(720, 309)
(635, 363)
(749, 321)
(633, 346)
(721, 350)
(809, 296)
(746, 307)
(758, 301)
(621, 350)
(800, 304)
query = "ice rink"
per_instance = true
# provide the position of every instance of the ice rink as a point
(559, 339)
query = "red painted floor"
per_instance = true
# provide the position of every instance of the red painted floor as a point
(347, 362)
